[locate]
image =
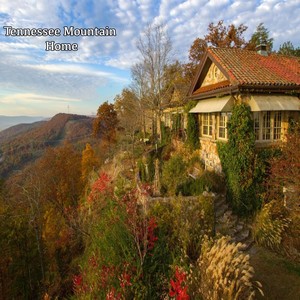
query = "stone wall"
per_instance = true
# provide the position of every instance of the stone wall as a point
(209, 154)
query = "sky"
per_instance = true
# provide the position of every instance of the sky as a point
(35, 82)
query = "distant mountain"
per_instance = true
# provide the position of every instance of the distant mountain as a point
(24, 143)
(15, 131)
(7, 121)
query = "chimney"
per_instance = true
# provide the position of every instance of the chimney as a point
(262, 49)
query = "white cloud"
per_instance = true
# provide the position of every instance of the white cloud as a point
(124, 61)
(145, 8)
(30, 97)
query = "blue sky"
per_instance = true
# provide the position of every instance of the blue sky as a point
(34, 82)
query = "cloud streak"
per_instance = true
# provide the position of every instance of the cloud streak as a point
(30, 97)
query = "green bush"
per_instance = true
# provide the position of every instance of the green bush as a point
(173, 173)
(209, 181)
(146, 168)
(165, 134)
(125, 256)
(192, 140)
(142, 170)
(176, 130)
(182, 224)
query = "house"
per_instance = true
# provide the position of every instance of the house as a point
(268, 83)
(173, 115)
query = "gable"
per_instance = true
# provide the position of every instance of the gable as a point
(210, 77)
(213, 76)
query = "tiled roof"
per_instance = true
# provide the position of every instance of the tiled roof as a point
(211, 87)
(250, 68)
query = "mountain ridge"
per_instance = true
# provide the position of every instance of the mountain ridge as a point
(24, 143)
(9, 121)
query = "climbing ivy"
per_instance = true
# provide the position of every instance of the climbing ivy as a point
(165, 134)
(238, 161)
(192, 140)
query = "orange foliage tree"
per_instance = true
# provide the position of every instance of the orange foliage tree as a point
(89, 162)
(61, 187)
(106, 122)
(221, 36)
(195, 54)
(218, 35)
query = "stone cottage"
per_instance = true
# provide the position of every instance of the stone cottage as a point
(268, 83)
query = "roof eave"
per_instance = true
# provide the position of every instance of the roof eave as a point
(216, 93)
(197, 73)
(269, 88)
(247, 88)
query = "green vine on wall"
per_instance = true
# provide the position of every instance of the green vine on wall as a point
(238, 159)
(192, 140)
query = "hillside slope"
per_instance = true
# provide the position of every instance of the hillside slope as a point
(9, 121)
(23, 144)
(17, 130)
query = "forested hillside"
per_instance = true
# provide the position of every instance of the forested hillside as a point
(24, 143)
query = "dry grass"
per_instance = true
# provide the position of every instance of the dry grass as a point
(268, 230)
(223, 272)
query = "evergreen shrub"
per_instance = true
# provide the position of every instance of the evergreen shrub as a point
(173, 173)
(238, 161)
(192, 140)
(182, 224)
(209, 181)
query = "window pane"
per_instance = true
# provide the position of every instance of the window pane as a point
(207, 124)
(222, 126)
(266, 126)
(277, 126)
(256, 125)
(210, 124)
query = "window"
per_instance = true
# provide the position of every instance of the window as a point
(267, 125)
(207, 124)
(222, 125)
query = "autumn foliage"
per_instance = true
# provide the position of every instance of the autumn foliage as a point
(285, 169)
(106, 122)
(89, 162)
(178, 286)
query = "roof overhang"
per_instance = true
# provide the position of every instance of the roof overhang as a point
(274, 102)
(223, 104)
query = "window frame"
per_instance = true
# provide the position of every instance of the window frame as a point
(207, 123)
(226, 117)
